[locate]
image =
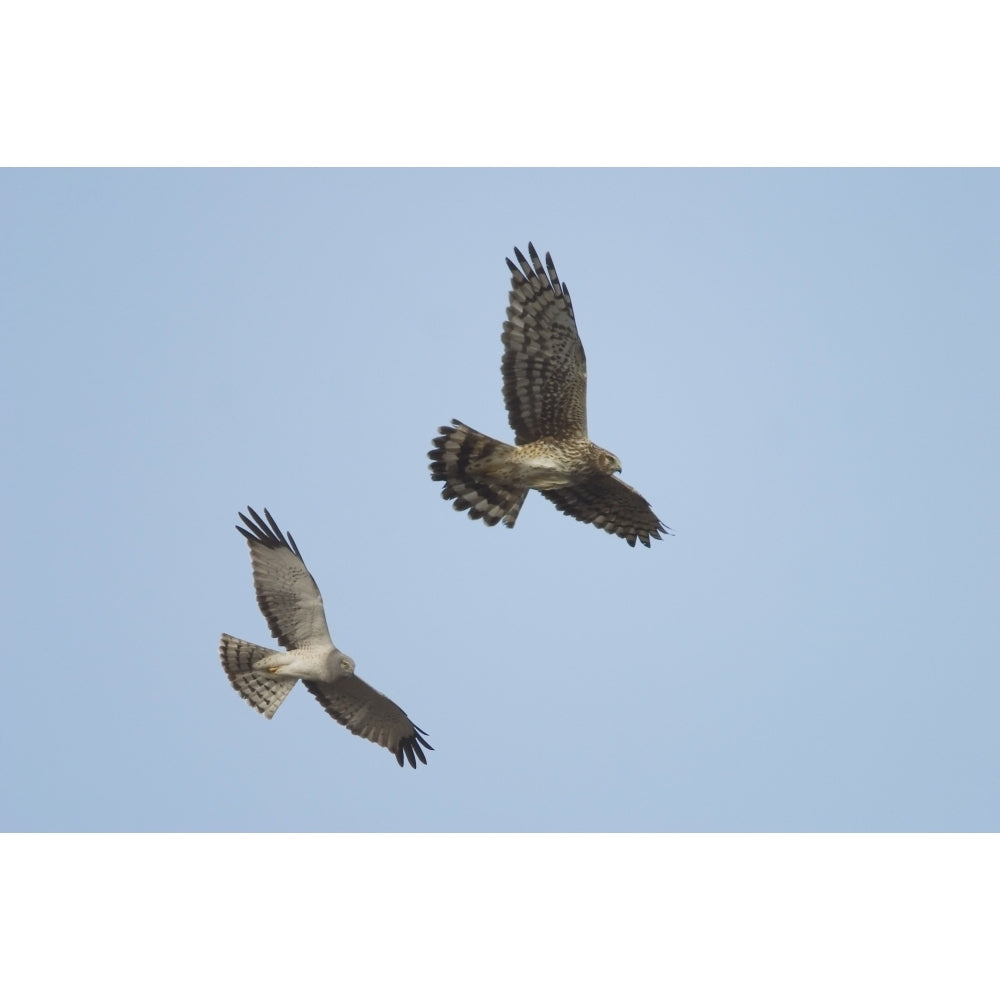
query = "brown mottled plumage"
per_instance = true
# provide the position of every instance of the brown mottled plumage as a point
(545, 391)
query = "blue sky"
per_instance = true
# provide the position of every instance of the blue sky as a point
(797, 368)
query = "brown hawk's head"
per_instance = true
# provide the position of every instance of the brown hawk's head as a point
(606, 461)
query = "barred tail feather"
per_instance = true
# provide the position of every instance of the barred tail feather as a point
(454, 452)
(262, 691)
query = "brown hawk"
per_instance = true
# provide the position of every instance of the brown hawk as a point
(291, 602)
(545, 391)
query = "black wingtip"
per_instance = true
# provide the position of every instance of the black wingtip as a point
(410, 746)
(266, 532)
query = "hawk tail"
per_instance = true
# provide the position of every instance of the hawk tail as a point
(452, 459)
(263, 692)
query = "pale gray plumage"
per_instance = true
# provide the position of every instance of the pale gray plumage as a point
(545, 390)
(291, 602)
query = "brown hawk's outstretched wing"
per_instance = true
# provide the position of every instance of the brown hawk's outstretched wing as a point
(609, 503)
(369, 713)
(544, 367)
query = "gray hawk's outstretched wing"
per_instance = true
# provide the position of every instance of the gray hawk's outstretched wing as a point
(369, 713)
(287, 594)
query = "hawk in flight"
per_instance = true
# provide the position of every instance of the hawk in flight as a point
(545, 391)
(290, 601)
